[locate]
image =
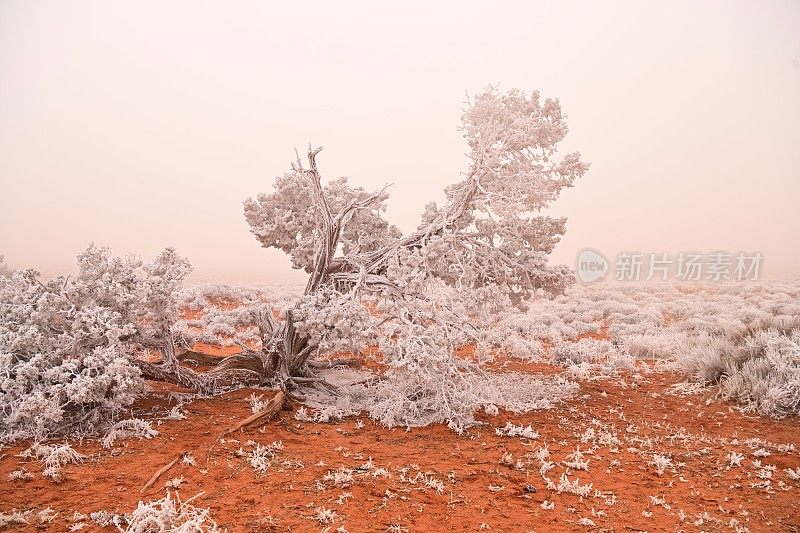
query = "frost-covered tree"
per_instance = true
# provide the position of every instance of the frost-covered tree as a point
(421, 293)
(70, 346)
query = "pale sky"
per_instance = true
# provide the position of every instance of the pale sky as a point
(141, 125)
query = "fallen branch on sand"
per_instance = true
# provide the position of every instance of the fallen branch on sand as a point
(262, 416)
(160, 472)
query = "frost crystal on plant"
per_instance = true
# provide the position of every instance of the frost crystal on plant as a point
(261, 457)
(124, 429)
(512, 430)
(53, 456)
(69, 347)
(170, 514)
(661, 462)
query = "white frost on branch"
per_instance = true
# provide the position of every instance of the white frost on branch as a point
(423, 296)
(170, 513)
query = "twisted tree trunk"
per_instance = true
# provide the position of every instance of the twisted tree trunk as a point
(284, 353)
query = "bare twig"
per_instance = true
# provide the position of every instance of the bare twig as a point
(161, 471)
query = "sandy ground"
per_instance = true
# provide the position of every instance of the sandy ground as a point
(430, 479)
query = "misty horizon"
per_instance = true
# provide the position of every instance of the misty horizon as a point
(142, 140)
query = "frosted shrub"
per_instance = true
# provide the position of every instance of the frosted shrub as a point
(4, 270)
(68, 346)
(124, 429)
(227, 297)
(53, 456)
(576, 460)
(427, 384)
(256, 403)
(584, 350)
(502, 327)
(20, 475)
(424, 396)
(794, 474)
(519, 392)
(46, 516)
(662, 322)
(229, 315)
(761, 370)
(14, 517)
(261, 457)
(565, 485)
(106, 519)
(735, 459)
(661, 463)
(175, 414)
(512, 430)
(508, 341)
(661, 345)
(341, 477)
(325, 516)
(335, 322)
(169, 514)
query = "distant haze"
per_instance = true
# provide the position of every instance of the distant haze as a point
(141, 125)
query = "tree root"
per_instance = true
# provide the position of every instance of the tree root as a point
(198, 358)
(231, 372)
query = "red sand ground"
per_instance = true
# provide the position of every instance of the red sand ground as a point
(285, 498)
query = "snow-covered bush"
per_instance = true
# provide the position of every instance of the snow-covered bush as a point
(427, 383)
(5, 272)
(53, 456)
(663, 344)
(583, 350)
(14, 518)
(124, 429)
(228, 316)
(511, 333)
(512, 430)
(260, 458)
(760, 370)
(68, 346)
(419, 396)
(662, 322)
(169, 515)
(335, 322)
(661, 463)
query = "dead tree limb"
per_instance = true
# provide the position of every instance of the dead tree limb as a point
(273, 406)
(160, 472)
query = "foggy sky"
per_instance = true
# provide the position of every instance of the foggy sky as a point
(141, 125)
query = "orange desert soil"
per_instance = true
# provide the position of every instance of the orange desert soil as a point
(480, 491)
